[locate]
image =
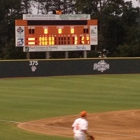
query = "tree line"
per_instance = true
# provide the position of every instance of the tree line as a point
(118, 25)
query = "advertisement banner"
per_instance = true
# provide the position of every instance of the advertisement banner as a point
(56, 17)
(93, 35)
(19, 34)
(56, 48)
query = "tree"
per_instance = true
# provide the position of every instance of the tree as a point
(119, 23)
(48, 6)
(9, 11)
(116, 19)
(131, 22)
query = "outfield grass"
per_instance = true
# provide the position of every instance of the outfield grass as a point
(25, 99)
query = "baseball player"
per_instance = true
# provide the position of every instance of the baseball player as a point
(80, 127)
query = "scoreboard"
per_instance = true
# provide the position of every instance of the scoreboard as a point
(56, 33)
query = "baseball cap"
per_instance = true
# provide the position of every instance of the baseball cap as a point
(83, 114)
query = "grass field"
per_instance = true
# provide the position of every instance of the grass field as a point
(25, 99)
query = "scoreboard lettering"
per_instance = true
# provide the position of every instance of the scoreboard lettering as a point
(58, 34)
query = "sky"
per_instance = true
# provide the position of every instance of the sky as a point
(135, 3)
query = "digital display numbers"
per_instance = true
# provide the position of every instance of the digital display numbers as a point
(57, 35)
(59, 30)
(51, 40)
(37, 33)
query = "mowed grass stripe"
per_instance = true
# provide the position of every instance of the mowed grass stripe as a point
(61, 93)
(25, 99)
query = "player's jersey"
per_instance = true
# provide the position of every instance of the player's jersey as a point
(79, 125)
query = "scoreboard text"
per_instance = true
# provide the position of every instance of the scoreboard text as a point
(61, 34)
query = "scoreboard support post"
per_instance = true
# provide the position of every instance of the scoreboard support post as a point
(66, 54)
(49, 33)
(85, 54)
(27, 55)
(47, 55)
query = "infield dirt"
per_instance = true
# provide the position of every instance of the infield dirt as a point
(115, 125)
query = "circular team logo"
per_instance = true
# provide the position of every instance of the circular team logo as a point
(19, 30)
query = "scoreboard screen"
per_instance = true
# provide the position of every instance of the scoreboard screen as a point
(56, 35)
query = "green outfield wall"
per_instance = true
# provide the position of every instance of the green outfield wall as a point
(34, 68)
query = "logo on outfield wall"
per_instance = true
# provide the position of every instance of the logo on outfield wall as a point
(101, 66)
(33, 65)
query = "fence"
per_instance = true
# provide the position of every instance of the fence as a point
(34, 68)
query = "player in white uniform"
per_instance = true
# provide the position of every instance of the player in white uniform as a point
(80, 127)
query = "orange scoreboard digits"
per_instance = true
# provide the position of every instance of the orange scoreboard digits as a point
(56, 32)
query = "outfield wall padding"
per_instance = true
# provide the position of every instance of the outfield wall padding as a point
(34, 68)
